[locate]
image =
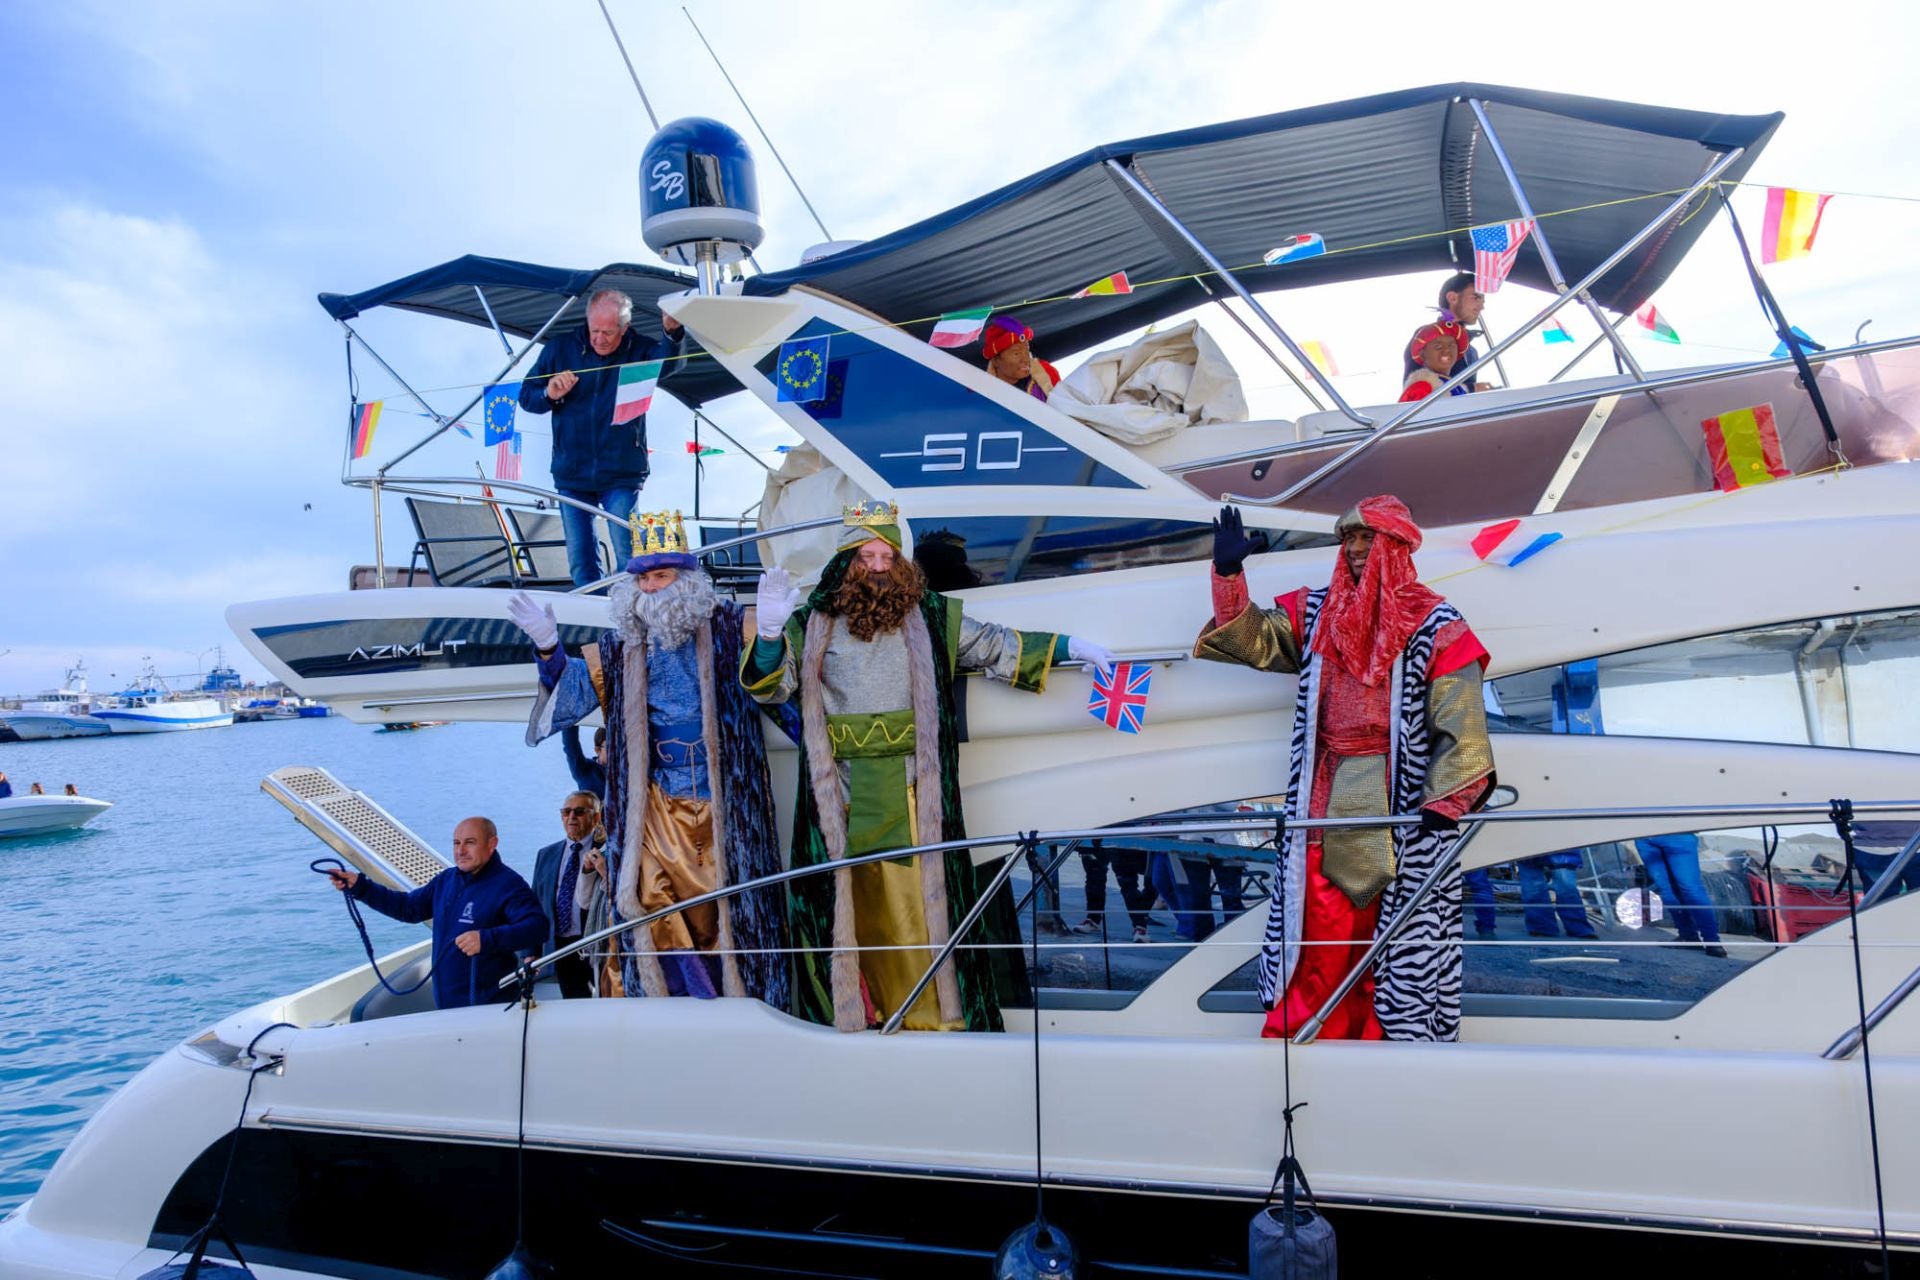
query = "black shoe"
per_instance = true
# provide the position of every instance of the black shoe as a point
(1715, 950)
(1531, 933)
(1478, 932)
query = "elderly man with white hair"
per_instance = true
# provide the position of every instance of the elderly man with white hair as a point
(599, 451)
(689, 808)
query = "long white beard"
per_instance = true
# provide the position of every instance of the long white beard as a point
(666, 618)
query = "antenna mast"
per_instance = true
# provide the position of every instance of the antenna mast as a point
(636, 75)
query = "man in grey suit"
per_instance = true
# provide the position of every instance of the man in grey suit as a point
(558, 871)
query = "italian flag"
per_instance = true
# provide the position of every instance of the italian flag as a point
(1115, 283)
(958, 328)
(634, 391)
(1656, 324)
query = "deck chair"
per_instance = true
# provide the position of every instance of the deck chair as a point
(462, 544)
(735, 567)
(540, 548)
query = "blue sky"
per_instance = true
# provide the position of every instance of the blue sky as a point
(178, 181)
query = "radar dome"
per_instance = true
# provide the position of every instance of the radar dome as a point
(699, 197)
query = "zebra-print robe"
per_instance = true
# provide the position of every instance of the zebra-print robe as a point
(1417, 984)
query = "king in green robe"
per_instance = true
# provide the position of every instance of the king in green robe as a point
(872, 655)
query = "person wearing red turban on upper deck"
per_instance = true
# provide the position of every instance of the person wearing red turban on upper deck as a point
(1006, 347)
(1388, 720)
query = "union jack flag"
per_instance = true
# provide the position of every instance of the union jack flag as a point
(1119, 696)
(1494, 249)
(506, 458)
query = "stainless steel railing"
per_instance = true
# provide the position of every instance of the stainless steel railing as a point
(1473, 822)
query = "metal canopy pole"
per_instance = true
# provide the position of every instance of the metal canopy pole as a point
(391, 373)
(1614, 259)
(513, 358)
(1546, 250)
(1279, 364)
(1588, 349)
(699, 417)
(1311, 1028)
(1153, 202)
(500, 333)
(1487, 333)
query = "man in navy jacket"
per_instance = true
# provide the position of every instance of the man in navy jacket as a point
(483, 914)
(596, 459)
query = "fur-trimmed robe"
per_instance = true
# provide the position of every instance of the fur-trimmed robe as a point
(939, 643)
(746, 846)
(1438, 750)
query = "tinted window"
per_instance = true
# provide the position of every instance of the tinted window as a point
(1842, 682)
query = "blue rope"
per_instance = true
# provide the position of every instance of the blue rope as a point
(322, 866)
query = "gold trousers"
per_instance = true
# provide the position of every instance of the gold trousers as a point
(677, 863)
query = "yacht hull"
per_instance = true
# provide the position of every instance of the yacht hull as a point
(722, 1133)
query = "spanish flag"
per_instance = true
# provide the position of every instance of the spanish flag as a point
(1744, 448)
(1107, 286)
(1793, 219)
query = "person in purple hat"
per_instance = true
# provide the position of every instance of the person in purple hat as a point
(1006, 346)
(689, 808)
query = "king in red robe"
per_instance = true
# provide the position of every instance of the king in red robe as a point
(1389, 719)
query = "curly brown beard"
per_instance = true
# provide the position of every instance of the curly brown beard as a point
(876, 602)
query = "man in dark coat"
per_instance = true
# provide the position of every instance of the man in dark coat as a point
(559, 870)
(599, 445)
(483, 916)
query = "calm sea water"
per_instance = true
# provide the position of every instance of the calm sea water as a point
(191, 897)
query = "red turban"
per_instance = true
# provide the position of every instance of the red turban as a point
(1365, 624)
(1003, 332)
(1428, 333)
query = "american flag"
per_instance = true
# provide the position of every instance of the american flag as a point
(506, 458)
(1119, 696)
(1494, 249)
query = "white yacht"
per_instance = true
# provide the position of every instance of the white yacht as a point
(57, 713)
(1683, 660)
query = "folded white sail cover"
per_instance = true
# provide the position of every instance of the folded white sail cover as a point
(806, 487)
(1154, 388)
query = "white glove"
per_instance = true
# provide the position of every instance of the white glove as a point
(774, 603)
(1094, 655)
(536, 620)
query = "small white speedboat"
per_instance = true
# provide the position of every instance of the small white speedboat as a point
(43, 815)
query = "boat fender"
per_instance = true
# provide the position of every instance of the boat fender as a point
(1291, 1241)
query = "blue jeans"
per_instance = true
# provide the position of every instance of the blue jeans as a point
(1536, 881)
(583, 551)
(1479, 887)
(1676, 878)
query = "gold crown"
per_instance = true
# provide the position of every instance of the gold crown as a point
(657, 533)
(871, 514)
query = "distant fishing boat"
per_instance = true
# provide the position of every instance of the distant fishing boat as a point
(57, 713)
(150, 708)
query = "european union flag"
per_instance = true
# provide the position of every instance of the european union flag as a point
(801, 374)
(498, 405)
